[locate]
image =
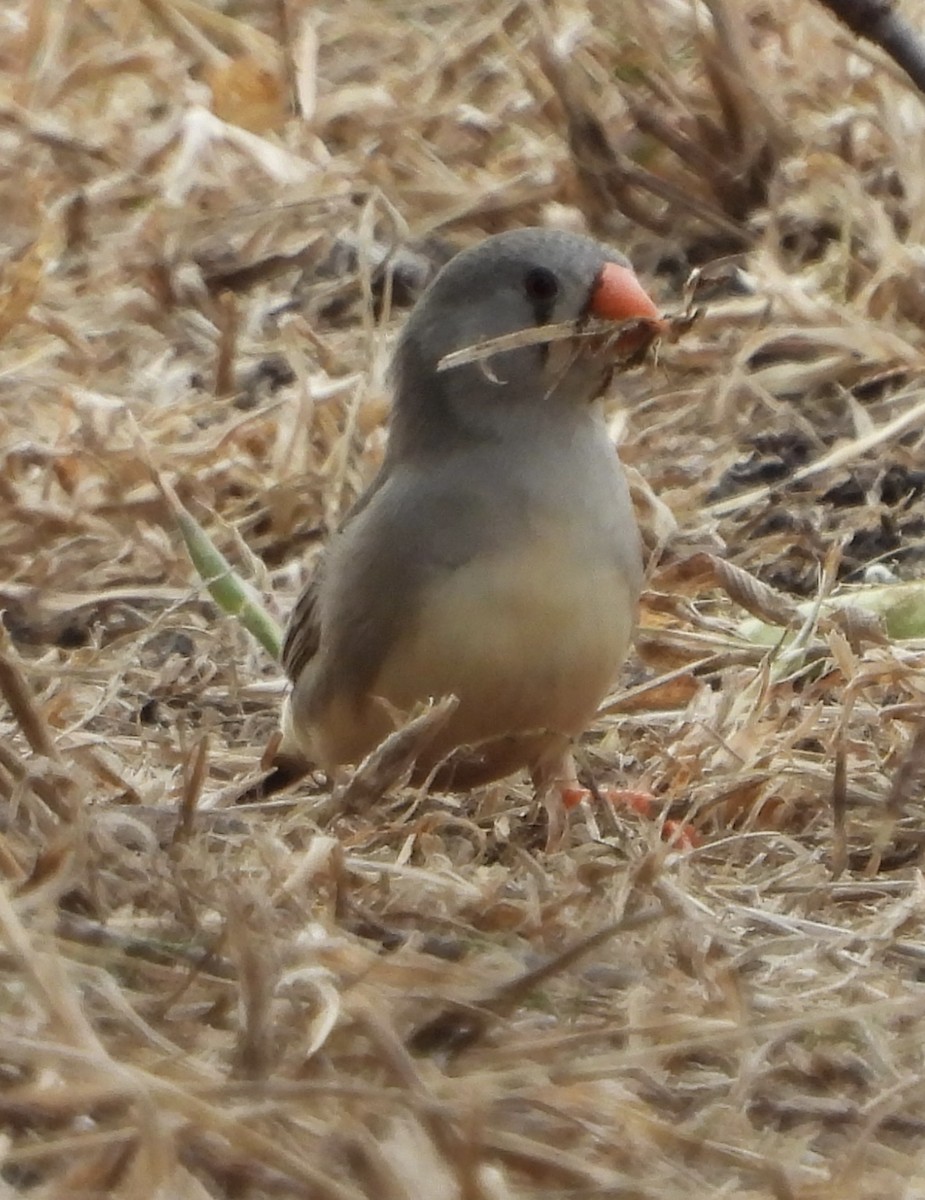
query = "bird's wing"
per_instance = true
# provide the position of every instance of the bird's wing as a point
(303, 630)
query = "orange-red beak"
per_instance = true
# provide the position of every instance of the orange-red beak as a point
(619, 296)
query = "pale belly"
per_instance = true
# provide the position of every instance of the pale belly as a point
(528, 641)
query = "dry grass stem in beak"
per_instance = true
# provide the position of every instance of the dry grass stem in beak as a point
(641, 331)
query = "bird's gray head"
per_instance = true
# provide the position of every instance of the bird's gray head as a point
(509, 283)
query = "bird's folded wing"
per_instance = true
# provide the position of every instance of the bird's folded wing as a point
(303, 633)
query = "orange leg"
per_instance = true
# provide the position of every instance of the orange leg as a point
(559, 783)
(555, 779)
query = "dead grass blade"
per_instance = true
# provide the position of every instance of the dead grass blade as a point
(606, 336)
(391, 764)
(18, 695)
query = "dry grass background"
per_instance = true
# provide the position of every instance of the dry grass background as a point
(299, 1000)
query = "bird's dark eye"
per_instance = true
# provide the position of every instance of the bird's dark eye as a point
(541, 284)
(541, 288)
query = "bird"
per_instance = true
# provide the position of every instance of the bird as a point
(495, 556)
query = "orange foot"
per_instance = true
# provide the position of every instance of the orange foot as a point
(643, 803)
